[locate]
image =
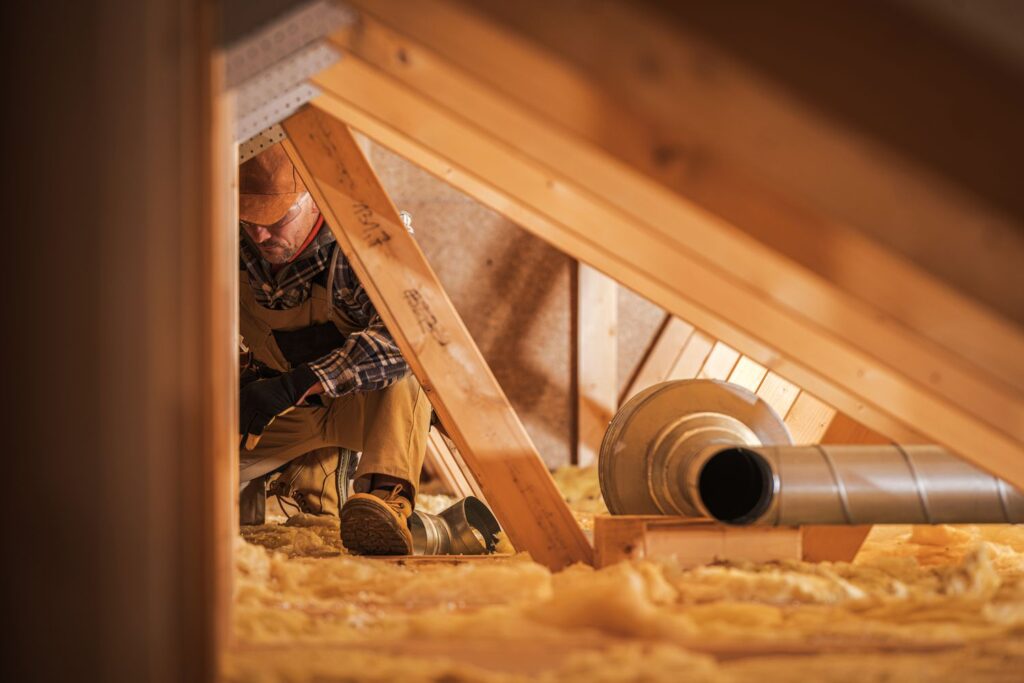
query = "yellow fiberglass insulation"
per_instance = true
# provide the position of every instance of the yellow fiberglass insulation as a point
(918, 604)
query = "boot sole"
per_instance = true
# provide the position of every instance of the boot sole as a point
(366, 531)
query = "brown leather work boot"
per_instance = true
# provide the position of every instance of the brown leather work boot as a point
(315, 483)
(377, 523)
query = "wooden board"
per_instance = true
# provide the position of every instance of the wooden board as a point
(896, 377)
(833, 543)
(691, 542)
(748, 374)
(625, 84)
(691, 359)
(660, 357)
(434, 340)
(808, 419)
(597, 385)
(445, 463)
(720, 362)
(721, 94)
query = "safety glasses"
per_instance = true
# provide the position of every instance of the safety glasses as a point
(293, 212)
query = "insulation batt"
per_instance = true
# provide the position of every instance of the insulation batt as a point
(918, 604)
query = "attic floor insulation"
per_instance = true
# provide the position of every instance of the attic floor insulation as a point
(918, 604)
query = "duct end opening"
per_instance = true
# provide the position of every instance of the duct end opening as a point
(736, 486)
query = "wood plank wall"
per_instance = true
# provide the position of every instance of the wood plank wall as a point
(679, 351)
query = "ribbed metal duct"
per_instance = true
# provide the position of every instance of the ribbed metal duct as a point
(703, 448)
(466, 528)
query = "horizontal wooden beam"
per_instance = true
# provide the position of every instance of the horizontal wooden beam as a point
(689, 542)
(671, 102)
(807, 336)
(434, 340)
(980, 339)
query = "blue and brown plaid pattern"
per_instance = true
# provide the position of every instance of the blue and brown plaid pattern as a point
(369, 359)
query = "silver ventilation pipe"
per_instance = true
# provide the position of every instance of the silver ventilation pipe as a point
(701, 448)
(791, 485)
(466, 528)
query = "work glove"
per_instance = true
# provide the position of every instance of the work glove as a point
(263, 400)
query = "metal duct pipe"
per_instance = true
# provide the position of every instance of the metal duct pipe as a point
(702, 448)
(466, 528)
(791, 485)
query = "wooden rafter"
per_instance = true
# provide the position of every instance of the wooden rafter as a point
(904, 373)
(447, 465)
(434, 341)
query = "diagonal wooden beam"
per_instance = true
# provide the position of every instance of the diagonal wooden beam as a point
(434, 341)
(664, 102)
(448, 467)
(864, 363)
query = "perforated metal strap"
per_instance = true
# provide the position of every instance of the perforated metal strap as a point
(281, 38)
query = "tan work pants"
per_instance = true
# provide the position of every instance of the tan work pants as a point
(389, 427)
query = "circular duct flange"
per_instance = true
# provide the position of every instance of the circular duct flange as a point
(711, 410)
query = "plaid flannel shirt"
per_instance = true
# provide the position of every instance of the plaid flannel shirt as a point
(369, 359)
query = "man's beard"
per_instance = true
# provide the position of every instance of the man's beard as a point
(282, 254)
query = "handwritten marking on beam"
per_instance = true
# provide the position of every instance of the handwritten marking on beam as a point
(372, 231)
(426, 318)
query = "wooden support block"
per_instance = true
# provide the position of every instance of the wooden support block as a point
(844, 429)
(434, 340)
(597, 387)
(840, 543)
(691, 542)
(833, 543)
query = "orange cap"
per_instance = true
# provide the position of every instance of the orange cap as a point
(268, 185)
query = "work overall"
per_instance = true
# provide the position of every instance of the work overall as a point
(389, 426)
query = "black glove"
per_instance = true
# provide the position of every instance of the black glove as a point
(263, 400)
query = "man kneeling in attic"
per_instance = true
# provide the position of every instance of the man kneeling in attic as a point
(322, 372)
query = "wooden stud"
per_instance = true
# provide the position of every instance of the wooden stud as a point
(778, 393)
(720, 362)
(885, 374)
(748, 374)
(597, 385)
(445, 463)
(808, 419)
(433, 339)
(691, 358)
(661, 356)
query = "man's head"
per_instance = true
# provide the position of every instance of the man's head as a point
(274, 208)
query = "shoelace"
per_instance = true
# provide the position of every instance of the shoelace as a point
(301, 504)
(393, 501)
